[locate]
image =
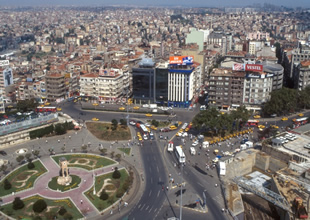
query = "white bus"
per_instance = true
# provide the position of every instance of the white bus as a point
(222, 168)
(180, 154)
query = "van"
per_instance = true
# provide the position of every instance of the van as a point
(170, 146)
(192, 151)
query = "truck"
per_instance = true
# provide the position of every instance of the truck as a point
(249, 144)
(205, 144)
(222, 168)
(153, 106)
(300, 210)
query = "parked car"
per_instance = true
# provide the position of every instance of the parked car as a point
(3, 153)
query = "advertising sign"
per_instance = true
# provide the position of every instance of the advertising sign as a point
(4, 62)
(8, 77)
(238, 67)
(254, 67)
(181, 60)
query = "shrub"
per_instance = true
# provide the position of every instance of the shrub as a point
(36, 217)
(116, 174)
(68, 216)
(30, 165)
(7, 184)
(39, 206)
(62, 211)
(126, 186)
(104, 195)
(120, 193)
(18, 203)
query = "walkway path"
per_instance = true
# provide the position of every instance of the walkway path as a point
(76, 195)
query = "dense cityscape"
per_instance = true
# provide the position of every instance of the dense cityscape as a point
(138, 113)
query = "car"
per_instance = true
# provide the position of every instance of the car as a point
(274, 126)
(154, 128)
(147, 125)
(59, 109)
(136, 108)
(95, 119)
(95, 104)
(301, 115)
(133, 123)
(3, 153)
(273, 115)
(148, 115)
(47, 103)
(140, 138)
(294, 119)
(82, 113)
(261, 126)
(179, 134)
(122, 108)
(284, 119)
(256, 116)
(195, 143)
(161, 137)
(185, 134)
(173, 127)
(164, 129)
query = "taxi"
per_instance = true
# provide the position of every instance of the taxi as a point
(154, 128)
(95, 119)
(284, 119)
(148, 115)
(136, 108)
(140, 138)
(256, 116)
(47, 103)
(59, 109)
(172, 127)
(261, 126)
(274, 126)
(301, 115)
(122, 108)
(95, 104)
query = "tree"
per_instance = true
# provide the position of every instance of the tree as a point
(36, 153)
(7, 184)
(28, 156)
(30, 165)
(63, 148)
(3, 168)
(123, 122)
(116, 174)
(68, 216)
(60, 129)
(155, 123)
(118, 157)
(18, 203)
(103, 150)
(104, 195)
(112, 154)
(119, 193)
(39, 206)
(114, 124)
(20, 158)
(62, 211)
(26, 105)
(84, 148)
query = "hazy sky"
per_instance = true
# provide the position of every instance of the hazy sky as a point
(194, 3)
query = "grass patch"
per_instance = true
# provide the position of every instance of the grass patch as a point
(103, 131)
(76, 180)
(85, 161)
(117, 183)
(126, 150)
(52, 205)
(22, 173)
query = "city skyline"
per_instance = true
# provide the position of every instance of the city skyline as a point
(196, 3)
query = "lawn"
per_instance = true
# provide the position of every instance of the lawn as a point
(126, 150)
(74, 184)
(52, 205)
(22, 178)
(116, 184)
(85, 161)
(103, 131)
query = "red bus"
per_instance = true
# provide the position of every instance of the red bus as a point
(300, 121)
(252, 123)
(46, 109)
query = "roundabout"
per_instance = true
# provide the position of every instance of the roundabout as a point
(81, 185)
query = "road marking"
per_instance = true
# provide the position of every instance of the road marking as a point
(151, 180)
(155, 210)
(150, 210)
(139, 205)
(157, 169)
(150, 193)
(158, 193)
(201, 185)
(154, 158)
(147, 208)
(142, 207)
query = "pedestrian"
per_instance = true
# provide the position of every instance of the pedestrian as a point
(167, 188)
(81, 201)
(58, 141)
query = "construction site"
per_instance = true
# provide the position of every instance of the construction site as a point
(271, 183)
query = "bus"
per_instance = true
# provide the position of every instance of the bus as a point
(46, 109)
(180, 154)
(222, 168)
(301, 121)
(252, 123)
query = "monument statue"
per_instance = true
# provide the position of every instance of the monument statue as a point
(64, 177)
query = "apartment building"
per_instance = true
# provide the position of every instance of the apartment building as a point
(184, 80)
(257, 88)
(277, 71)
(226, 88)
(302, 75)
(107, 85)
(55, 87)
(2, 107)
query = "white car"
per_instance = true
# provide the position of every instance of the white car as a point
(185, 134)
(132, 123)
(195, 143)
(147, 125)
